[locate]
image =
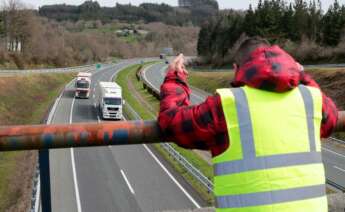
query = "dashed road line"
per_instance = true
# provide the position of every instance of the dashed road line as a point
(127, 181)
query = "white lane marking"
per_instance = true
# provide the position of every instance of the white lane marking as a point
(95, 105)
(52, 112)
(75, 179)
(127, 181)
(336, 153)
(77, 196)
(172, 177)
(71, 112)
(336, 167)
(98, 119)
(94, 96)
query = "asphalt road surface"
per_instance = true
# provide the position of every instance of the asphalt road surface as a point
(126, 178)
(333, 156)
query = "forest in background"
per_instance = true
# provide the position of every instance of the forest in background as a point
(65, 35)
(28, 40)
(196, 13)
(302, 28)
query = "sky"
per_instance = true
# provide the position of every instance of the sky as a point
(224, 4)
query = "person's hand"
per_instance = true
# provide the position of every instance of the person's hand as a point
(300, 67)
(178, 64)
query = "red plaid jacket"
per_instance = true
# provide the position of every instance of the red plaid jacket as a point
(203, 126)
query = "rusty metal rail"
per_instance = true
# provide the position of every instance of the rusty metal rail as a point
(14, 138)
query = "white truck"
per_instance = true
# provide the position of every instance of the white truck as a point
(83, 85)
(110, 100)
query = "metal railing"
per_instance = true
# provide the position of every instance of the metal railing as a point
(85, 68)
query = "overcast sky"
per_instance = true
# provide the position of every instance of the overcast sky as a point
(236, 4)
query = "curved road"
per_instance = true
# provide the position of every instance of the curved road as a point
(105, 179)
(333, 157)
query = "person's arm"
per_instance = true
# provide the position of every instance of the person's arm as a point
(192, 127)
(329, 109)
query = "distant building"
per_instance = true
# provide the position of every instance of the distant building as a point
(184, 3)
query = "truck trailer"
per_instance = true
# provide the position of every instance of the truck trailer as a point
(110, 100)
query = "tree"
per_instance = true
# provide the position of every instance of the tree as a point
(250, 28)
(15, 21)
(300, 19)
(90, 10)
(333, 23)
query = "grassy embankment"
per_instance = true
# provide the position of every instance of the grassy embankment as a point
(147, 107)
(23, 100)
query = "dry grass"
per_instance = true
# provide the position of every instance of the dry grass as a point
(24, 100)
(210, 81)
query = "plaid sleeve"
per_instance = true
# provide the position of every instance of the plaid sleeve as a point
(329, 109)
(193, 127)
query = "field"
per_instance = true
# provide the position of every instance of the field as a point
(24, 100)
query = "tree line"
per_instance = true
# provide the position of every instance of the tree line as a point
(147, 12)
(301, 27)
(28, 40)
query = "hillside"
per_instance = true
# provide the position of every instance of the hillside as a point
(35, 41)
(37, 93)
(196, 12)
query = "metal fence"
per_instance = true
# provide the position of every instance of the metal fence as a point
(337, 140)
(85, 68)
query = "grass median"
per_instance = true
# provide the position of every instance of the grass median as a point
(147, 107)
(24, 100)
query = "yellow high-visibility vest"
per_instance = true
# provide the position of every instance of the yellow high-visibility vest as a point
(273, 162)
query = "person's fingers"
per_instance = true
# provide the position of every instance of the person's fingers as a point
(180, 65)
(174, 63)
(178, 58)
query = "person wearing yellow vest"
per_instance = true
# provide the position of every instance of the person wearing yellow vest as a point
(264, 132)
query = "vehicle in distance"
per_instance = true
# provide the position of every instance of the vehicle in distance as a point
(110, 100)
(162, 56)
(83, 85)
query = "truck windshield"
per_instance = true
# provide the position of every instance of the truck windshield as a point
(83, 84)
(112, 101)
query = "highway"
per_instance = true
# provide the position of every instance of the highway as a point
(105, 179)
(333, 156)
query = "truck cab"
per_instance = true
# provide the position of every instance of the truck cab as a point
(83, 85)
(110, 100)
